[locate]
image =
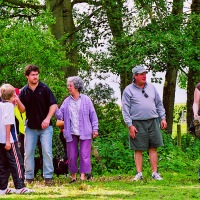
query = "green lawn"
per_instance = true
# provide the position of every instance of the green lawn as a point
(174, 186)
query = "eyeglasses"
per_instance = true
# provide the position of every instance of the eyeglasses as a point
(145, 94)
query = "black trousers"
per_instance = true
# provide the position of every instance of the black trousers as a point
(63, 140)
(21, 144)
(11, 162)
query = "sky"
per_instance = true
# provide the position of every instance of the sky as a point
(113, 81)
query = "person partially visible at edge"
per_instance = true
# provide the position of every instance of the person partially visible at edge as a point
(80, 125)
(10, 157)
(196, 110)
(40, 105)
(142, 109)
(20, 119)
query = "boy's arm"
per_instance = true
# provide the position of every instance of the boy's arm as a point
(59, 122)
(8, 145)
(20, 105)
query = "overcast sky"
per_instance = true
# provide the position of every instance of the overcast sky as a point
(113, 81)
(180, 96)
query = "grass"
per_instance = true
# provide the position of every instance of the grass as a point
(174, 186)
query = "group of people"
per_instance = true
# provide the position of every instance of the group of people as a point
(38, 101)
(142, 110)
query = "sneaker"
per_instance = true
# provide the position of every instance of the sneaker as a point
(156, 176)
(24, 191)
(138, 176)
(48, 181)
(7, 191)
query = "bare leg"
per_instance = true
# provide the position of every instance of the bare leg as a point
(73, 176)
(138, 160)
(153, 159)
(82, 176)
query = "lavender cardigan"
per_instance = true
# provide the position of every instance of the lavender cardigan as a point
(88, 121)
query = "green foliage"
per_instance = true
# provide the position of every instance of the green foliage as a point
(116, 157)
(23, 43)
(178, 110)
(178, 159)
(101, 94)
(112, 143)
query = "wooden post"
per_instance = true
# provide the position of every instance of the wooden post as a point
(179, 135)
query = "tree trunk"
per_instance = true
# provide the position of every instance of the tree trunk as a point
(114, 15)
(171, 75)
(169, 96)
(193, 75)
(125, 79)
(64, 27)
(190, 95)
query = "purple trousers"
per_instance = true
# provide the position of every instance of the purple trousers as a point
(84, 152)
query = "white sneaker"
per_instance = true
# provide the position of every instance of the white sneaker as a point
(7, 191)
(156, 176)
(24, 191)
(138, 176)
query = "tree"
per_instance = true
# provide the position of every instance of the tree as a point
(194, 71)
(63, 27)
(172, 66)
(23, 43)
(151, 33)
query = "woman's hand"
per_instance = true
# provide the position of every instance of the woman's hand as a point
(95, 134)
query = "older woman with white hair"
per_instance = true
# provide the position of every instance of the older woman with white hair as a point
(80, 125)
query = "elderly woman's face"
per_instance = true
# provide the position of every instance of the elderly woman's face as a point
(71, 88)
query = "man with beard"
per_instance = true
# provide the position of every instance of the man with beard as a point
(40, 105)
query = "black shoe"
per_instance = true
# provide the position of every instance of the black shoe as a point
(89, 176)
(72, 181)
(29, 181)
(48, 181)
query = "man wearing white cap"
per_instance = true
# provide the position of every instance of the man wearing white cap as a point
(142, 110)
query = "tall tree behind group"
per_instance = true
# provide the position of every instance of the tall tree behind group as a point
(194, 70)
(154, 35)
(172, 66)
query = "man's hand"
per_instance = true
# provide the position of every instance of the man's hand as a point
(163, 124)
(45, 123)
(132, 131)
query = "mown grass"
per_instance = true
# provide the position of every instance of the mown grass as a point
(174, 186)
